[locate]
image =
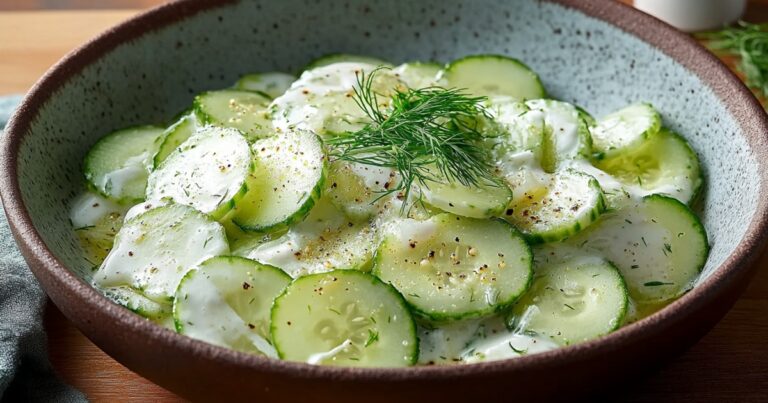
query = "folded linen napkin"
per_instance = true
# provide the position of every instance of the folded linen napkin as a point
(26, 374)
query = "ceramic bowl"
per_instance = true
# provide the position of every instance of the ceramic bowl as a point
(599, 54)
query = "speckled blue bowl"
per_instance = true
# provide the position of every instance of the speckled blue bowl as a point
(598, 54)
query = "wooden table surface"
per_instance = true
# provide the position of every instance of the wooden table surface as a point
(729, 364)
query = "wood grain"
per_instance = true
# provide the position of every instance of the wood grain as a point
(32, 41)
(729, 364)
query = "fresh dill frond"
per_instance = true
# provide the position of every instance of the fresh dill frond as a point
(750, 43)
(426, 135)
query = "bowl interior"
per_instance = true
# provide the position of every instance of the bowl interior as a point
(580, 59)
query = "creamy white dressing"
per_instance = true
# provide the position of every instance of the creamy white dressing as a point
(134, 169)
(143, 207)
(477, 340)
(318, 358)
(323, 241)
(374, 178)
(415, 76)
(217, 323)
(620, 194)
(89, 209)
(408, 230)
(502, 346)
(623, 128)
(152, 255)
(564, 124)
(321, 100)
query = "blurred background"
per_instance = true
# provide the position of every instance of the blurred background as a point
(756, 10)
(7, 5)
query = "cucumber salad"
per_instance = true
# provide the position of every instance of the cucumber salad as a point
(367, 214)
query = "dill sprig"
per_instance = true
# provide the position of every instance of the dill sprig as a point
(750, 43)
(427, 134)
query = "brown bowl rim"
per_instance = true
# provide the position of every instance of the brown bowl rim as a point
(748, 112)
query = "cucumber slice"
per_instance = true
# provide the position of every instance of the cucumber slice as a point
(344, 318)
(588, 118)
(524, 176)
(322, 99)
(154, 250)
(476, 340)
(357, 189)
(625, 129)
(243, 110)
(450, 267)
(117, 165)
(418, 75)
(324, 241)
(615, 193)
(658, 244)
(664, 164)
(552, 131)
(208, 172)
(565, 134)
(227, 302)
(328, 60)
(568, 203)
(504, 345)
(273, 84)
(133, 300)
(488, 199)
(573, 301)
(488, 75)
(288, 178)
(174, 136)
(505, 127)
(96, 220)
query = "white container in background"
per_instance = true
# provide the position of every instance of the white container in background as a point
(694, 15)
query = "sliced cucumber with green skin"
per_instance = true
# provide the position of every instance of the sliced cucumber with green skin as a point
(208, 172)
(243, 243)
(327, 60)
(174, 136)
(488, 75)
(154, 250)
(664, 164)
(135, 301)
(451, 267)
(625, 129)
(573, 301)
(227, 302)
(117, 166)
(615, 193)
(484, 200)
(565, 134)
(289, 175)
(418, 75)
(658, 244)
(273, 84)
(344, 318)
(246, 111)
(567, 204)
(588, 118)
(96, 220)
(358, 189)
(325, 240)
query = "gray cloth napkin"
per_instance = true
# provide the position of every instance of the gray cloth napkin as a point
(26, 374)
